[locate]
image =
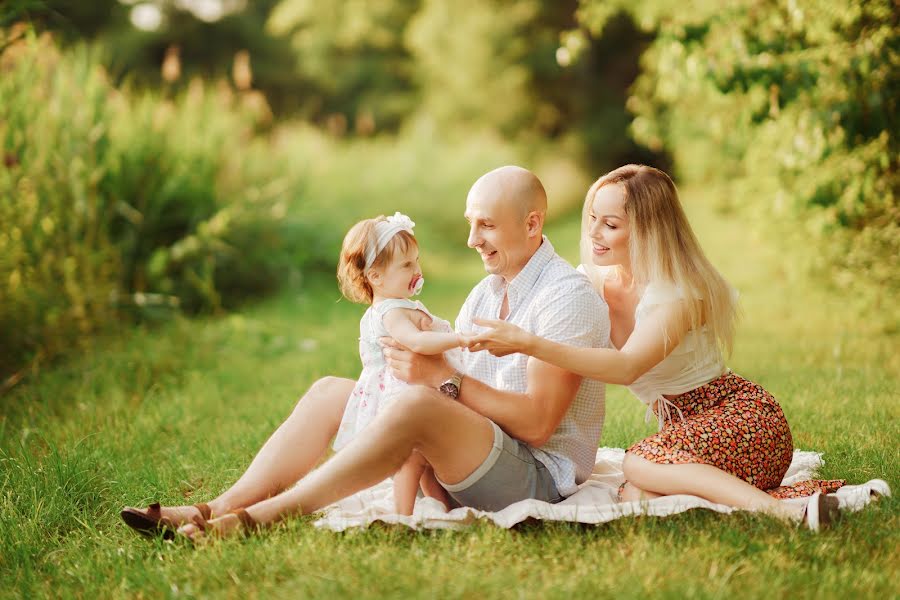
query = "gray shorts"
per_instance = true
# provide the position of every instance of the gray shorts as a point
(509, 473)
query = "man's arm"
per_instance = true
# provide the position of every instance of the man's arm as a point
(577, 318)
(531, 417)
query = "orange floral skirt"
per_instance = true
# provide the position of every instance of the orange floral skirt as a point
(737, 426)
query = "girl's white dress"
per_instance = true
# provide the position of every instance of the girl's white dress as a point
(377, 386)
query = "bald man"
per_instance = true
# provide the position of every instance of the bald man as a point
(503, 429)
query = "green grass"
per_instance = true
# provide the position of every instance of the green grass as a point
(175, 413)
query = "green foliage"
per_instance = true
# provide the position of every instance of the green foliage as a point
(473, 66)
(174, 414)
(790, 107)
(58, 265)
(112, 200)
(352, 58)
(379, 66)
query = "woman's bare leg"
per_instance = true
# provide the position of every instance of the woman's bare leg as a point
(289, 454)
(631, 493)
(705, 481)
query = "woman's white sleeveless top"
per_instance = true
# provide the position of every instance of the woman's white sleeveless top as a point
(695, 361)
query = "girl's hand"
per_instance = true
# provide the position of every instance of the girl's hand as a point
(502, 339)
(465, 339)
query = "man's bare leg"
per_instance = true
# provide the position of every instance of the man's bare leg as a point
(454, 439)
(291, 452)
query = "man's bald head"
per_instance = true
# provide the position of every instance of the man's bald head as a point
(505, 210)
(514, 187)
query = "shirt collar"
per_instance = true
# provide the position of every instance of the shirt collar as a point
(523, 282)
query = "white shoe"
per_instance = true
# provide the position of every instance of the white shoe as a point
(821, 511)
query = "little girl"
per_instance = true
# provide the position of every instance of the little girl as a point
(379, 265)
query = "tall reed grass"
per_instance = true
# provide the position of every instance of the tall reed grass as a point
(119, 203)
(115, 202)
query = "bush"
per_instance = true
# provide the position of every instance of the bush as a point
(790, 107)
(112, 200)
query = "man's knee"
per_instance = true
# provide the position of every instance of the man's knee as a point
(326, 392)
(415, 404)
(327, 385)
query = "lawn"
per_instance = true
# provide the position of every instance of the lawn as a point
(173, 413)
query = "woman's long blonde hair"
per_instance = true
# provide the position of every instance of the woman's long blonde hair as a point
(663, 248)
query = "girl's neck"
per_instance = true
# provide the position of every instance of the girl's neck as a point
(377, 298)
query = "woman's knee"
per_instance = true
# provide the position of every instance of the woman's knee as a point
(636, 469)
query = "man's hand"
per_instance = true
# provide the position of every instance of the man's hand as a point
(416, 369)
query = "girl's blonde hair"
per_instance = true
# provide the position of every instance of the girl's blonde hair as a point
(663, 248)
(351, 270)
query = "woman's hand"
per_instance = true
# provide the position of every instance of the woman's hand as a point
(502, 339)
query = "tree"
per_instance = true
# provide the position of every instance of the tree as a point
(792, 105)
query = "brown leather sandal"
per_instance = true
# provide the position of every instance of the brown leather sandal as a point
(248, 523)
(248, 526)
(151, 523)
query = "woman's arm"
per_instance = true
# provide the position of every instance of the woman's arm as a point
(652, 340)
(400, 326)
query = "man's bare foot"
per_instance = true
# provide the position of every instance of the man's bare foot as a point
(225, 526)
(156, 519)
(176, 515)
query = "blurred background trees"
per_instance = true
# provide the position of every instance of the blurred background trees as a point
(790, 109)
(163, 154)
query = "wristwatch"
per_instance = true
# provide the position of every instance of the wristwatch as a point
(451, 386)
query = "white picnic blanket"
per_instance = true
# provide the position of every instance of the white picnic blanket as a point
(594, 502)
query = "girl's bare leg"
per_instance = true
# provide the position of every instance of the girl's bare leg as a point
(433, 489)
(289, 454)
(406, 484)
(707, 482)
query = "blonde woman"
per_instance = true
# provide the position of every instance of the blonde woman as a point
(672, 315)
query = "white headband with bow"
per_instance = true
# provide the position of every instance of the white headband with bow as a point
(384, 231)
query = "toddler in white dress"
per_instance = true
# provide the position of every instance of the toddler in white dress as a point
(379, 265)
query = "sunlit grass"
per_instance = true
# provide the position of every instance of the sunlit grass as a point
(174, 414)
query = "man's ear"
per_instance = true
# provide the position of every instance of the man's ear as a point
(534, 223)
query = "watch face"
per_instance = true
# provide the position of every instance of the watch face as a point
(450, 389)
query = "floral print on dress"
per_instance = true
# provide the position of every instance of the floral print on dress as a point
(737, 426)
(377, 386)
